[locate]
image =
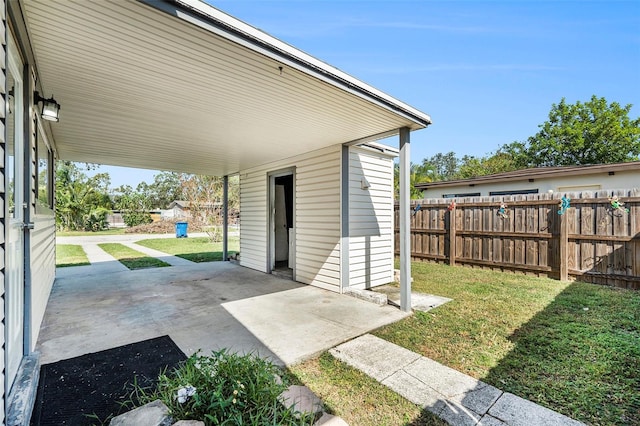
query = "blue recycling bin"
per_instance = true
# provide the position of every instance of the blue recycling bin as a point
(181, 229)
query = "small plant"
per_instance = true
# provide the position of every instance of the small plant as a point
(224, 389)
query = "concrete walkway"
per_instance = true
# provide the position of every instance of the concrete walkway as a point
(457, 398)
(103, 263)
(168, 258)
(120, 238)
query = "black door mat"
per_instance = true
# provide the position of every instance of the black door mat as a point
(72, 389)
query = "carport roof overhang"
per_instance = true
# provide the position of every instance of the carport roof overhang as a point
(179, 85)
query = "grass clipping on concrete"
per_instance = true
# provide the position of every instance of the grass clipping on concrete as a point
(198, 249)
(131, 258)
(70, 255)
(572, 347)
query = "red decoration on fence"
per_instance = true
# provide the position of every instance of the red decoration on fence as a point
(452, 205)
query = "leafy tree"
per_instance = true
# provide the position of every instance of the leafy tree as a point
(205, 195)
(166, 187)
(418, 173)
(442, 166)
(499, 162)
(82, 202)
(134, 205)
(593, 132)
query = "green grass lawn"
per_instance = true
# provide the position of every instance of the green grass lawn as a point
(198, 249)
(114, 231)
(70, 255)
(130, 258)
(572, 347)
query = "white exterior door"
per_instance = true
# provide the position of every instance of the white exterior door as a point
(14, 214)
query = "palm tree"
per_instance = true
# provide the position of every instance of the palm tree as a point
(418, 173)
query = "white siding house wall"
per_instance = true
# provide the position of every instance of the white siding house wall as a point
(623, 179)
(370, 218)
(3, 91)
(317, 216)
(43, 267)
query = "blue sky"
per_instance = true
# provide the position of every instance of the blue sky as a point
(486, 71)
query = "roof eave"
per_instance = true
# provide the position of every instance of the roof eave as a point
(208, 17)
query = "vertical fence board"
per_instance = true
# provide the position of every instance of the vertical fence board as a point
(441, 239)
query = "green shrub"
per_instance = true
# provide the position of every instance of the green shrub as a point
(135, 218)
(224, 389)
(96, 220)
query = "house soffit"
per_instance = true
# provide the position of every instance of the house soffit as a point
(142, 88)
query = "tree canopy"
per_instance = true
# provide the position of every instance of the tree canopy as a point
(418, 173)
(593, 132)
(82, 202)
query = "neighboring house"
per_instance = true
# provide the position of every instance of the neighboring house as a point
(179, 85)
(177, 210)
(181, 209)
(539, 180)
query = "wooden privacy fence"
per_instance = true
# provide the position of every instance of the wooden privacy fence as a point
(591, 241)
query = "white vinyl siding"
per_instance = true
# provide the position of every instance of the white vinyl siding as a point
(43, 266)
(370, 218)
(3, 91)
(317, 216)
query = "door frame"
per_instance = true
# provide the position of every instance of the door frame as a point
(271, 196)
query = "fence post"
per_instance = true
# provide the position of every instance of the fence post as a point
(452, 236)
(564, 247)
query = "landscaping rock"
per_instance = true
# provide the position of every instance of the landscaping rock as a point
(189, 423)
(152, 414)
(277, 379)
(329, 420)
(300, 398)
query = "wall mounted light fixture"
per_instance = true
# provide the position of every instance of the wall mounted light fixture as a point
(50, 108)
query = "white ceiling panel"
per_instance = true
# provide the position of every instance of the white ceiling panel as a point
(139, 87)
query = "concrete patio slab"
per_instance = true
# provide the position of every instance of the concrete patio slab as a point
(305, 321)
(374, 356)
(206, 306)
(516, 411)
(488, 420)
(454, 385)
(415, 391)
(419, 301)
(459, 415)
